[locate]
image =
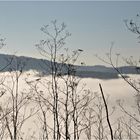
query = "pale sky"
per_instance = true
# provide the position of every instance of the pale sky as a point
(93, 25)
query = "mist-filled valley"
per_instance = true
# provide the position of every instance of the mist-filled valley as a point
(69, 70)
(32, 93)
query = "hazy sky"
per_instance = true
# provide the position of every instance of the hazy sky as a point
(94, 25)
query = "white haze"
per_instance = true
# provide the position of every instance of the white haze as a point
(117, 89)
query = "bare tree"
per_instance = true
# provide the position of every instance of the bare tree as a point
(15, 103)
(131, 127)
(62, 99)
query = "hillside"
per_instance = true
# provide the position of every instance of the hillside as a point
(42, 66)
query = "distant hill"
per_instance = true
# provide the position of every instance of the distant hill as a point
(28, 63)
(42, 66)
(103, 72)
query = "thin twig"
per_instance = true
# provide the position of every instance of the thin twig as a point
(107, 115)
